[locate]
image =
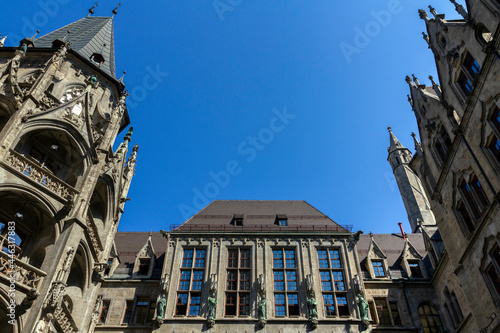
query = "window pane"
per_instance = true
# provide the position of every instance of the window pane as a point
(326, 281)
(104, 312)
(293, 305)
(335, 259)
(194, 306)
(231, 280)
(181, 306)
(244, 308)
(279, 283)
(244, 280)
(230, 304)
(395, 313)
(200, 259)
(188, 258)
(323, 259)
(342, 304)
(197, 280)
(290, 258)
(278, 259)
(141, 311)
(245, 259)
(378, 268)
(291, 280)
(382, 312)
(339, 280)
(185, 278)
(279, 301)
(329, 305)
(232, 261)
(128, 312)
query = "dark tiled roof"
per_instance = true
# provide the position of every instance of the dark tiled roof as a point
(87, 37)
(128, 244)
(260, 216)
(392, 245)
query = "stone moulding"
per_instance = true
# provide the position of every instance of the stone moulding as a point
(44, 178)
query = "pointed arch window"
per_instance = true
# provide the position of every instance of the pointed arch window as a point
(442, 144)
(431, 321)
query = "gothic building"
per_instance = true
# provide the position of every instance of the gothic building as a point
(243, 266)
(62, 187)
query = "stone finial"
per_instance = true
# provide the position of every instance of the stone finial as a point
(389, 128)
(423, 14)
(123, 76)
(417, 82)
(433, 11)
(426, 38)
(91, 10)
(418, 146)
(115, 11)
(410, 100)
(435, 86)
(460, 9)
(2, 40)
(408, 80)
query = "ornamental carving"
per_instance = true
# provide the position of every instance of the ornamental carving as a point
(55, 294)
(92, 231)
(97, 309)
(39, 175)
(65, 320)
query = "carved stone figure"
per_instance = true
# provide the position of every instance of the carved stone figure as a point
(312, 306)
(43, 325)
(2, 41)
(363, 310)
(31, 296)
(24, 48)
(262, 284)
(261, 312)
(212, 305)
(165, 283)
(309, 284)
(161, 305)
(213, 283)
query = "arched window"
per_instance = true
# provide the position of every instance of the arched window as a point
(431, 321)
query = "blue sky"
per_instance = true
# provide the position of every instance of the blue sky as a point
(260, 100)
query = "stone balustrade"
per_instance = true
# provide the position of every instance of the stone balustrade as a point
(26, 275)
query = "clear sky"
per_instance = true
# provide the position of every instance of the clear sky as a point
(259, 100)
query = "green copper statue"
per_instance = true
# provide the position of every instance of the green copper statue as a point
(161, 304)
(262, 307)
(212, 305)
(313, 307)
(363, 310)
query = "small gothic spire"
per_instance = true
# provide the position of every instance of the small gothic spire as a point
(408, 80)
(128, 137)
(91, 10)
(29, 41)
(460, 9)
(394, 142)
(433, 11)
(435, 86)
(417, 82)
(423, 14)
(2, 40)
(418, 146)
(115, 11)
(123, 75)
(426, 38)
(410, 100)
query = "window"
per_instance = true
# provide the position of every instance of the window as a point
(378, 268)
(238, 220)
(442, 144)
(473, 202)
(238, 282)
(144, 266)
(453, 308)
(470, 70)
(128, 312)
(385, 312)
(493, 270)
(191, 282)
(431, 321)
(494, 147)
(283, 222)
(104, 312)
(415, 270)
(495, 118)
(286, 302)
(332, 283)
(141, 311)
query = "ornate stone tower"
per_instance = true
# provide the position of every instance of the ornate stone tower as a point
(413, 194)
(62, 187)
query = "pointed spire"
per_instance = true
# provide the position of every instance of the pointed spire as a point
(123, 75)
(436, 87)
(418, 146)
(426, 38)
(423, 15)
(433, 11)
(409, 81)
(128, 136)
(30, 41)
(417, 82)
(91, 10)
(115, 11)
(394, 142)
(460, 9)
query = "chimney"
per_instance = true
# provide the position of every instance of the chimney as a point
(402, 231)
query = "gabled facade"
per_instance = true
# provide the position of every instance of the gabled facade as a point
(458, 162)
(63, 188)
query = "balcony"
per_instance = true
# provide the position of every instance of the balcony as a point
(25, 275)
(30, 169)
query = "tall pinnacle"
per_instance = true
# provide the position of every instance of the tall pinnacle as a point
(394, 142)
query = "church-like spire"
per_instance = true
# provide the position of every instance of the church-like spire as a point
(89, 36)
(394, 142)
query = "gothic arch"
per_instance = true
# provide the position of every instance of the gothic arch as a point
(4, 301)
(7, 109)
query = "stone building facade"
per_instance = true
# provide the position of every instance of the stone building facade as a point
(244, 266)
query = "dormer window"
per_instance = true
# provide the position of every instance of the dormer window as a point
(144, 266)
(97, 59)
(237, 221)
(378, 268)
(415, 270)
(282, 220)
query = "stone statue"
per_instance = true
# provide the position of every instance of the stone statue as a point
(2, 41)
(161, 305)
(212, 306)
(24, 48)
(43, 325)
(262, 284)
(312, 306)
(363, 310)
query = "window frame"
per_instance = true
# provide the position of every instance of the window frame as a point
(334, 261)
(192, 264)
(291, 310)
(105, 310)
(239, 267)
(388, 305)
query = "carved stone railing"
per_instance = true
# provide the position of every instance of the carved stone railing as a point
(34, 172)
(64, 319)
(93, 234)
(24, 274)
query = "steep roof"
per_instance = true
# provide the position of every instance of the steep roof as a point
(260, 216)
(87, 36)
(128, 244)
(392, 246)
(394, 142)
